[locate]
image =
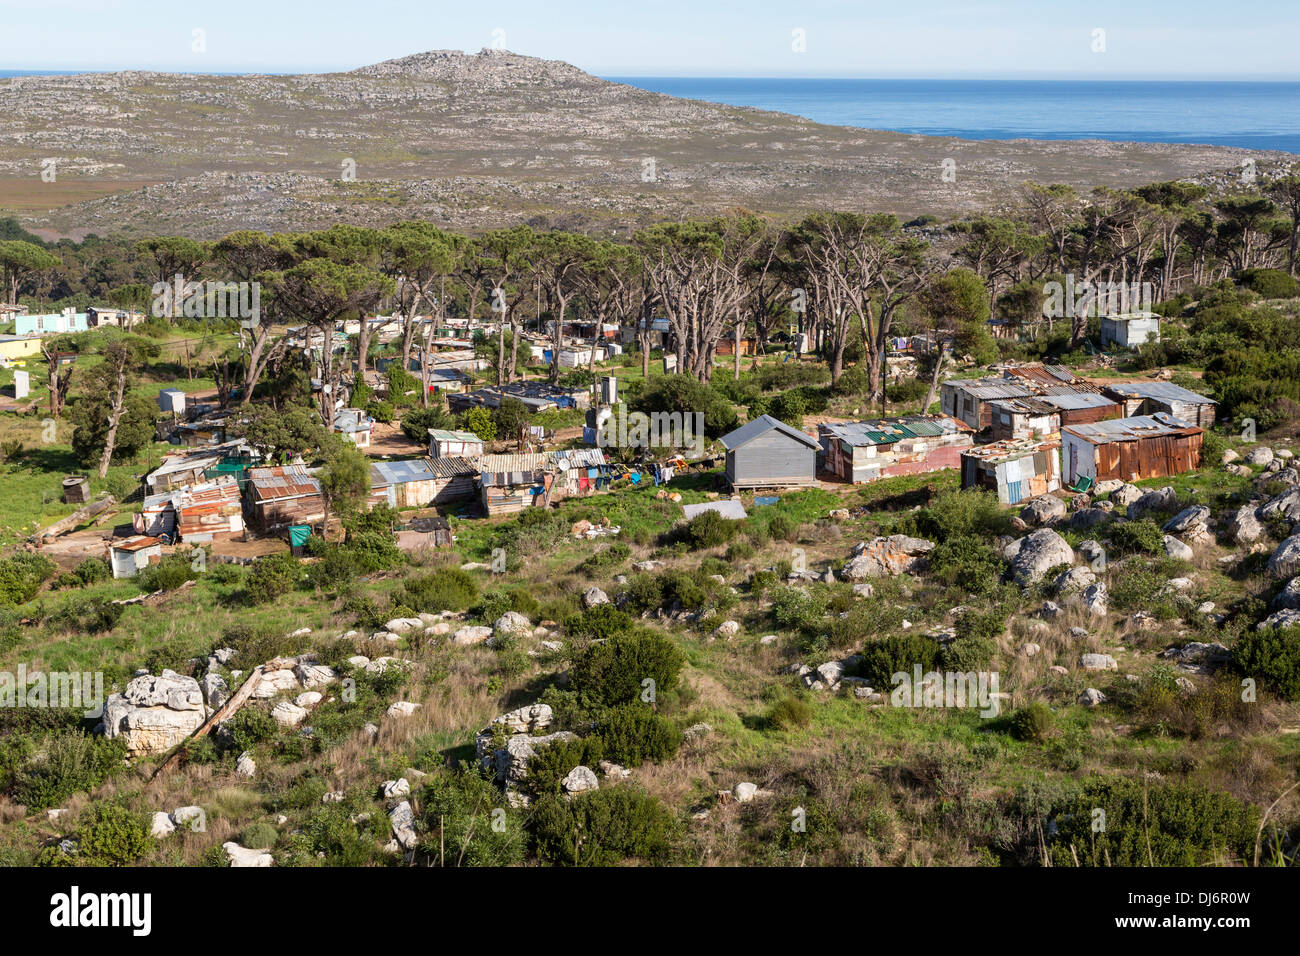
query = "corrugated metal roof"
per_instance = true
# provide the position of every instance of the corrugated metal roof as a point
(730, 508)
(1029, 405)
(442, 434)
(988, 389)
(444, 468)
(581, 457)
(1130, 429)
(761, 426)
(1163, 391)
(533, 461)
(137, 543)
(883, 431)
(1010, 449)
(288, 481)
(400, 472)
(1075, 400)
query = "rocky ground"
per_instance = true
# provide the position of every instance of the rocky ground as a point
(477, 141)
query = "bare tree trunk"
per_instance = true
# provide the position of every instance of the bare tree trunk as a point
(114, 418)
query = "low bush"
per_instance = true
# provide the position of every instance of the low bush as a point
(1172, 824)
(113, 836)
(447, 589)
(272, 577)
(615, 671)
(1033, 722)
(1271, 655)
(606, 827)
(634, 734)
(899, 653)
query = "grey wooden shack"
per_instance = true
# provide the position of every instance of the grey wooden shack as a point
(767, 453)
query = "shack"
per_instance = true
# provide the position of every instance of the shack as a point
(1081, 407)
(867, 450)
(970, 399)
(1150, 398)
(581, 471)
(424, 533)
(536, 396)
(212, 512)
(421, 482)
(1130, 330)
(129, 556)
(1023, 418)
(1015, 469)
(188, 468)
(1130, 449)
(452, 444)
(511, 483)
(355, 425)
(767, 453)
(275, 498)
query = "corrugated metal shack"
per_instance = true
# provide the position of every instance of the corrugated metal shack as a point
(129, 556)
(1081, 407)
(211, 513)
(1128, 331)
(1145, 446)
(1016, 469)
(277, 497)
(970, 399)
(867, 450)
(425, 532)
(580, 471)
(1148, 398)
(767, 453)
(421, 482)
(1023, 418)
(511, 483)
(453, 444)
(187, 468)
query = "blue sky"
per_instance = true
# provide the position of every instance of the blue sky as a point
(1155, 39)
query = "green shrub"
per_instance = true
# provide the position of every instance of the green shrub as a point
(114, 836)
(168, 574)
(782, 527)
(1142, 536)
(272, 577)
(1174, 824)
(259, 836)
(964, 513)
(599, 623)
(789, 712)
(21, 576)
(739, 551)
(899, 653)
(552, 763)
(70, 763)
(447, 589)
(497, 602)
(1033, 722)
(709, 530)
(1271, 655)
(968, 654)
(249, 727)
(968, 563)
(458, 810)
(1269, 283)
(604, 560)
(380, 411)
(634, 734)
(92, 570)
(613, 673)
(606, 827)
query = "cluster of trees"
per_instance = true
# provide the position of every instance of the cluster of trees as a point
(850, 281)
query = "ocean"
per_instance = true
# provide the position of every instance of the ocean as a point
(1248, 115)
(1245, 114)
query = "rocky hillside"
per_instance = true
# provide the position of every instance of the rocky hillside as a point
(475, 141)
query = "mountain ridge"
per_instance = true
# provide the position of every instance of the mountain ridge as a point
(478, 140)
